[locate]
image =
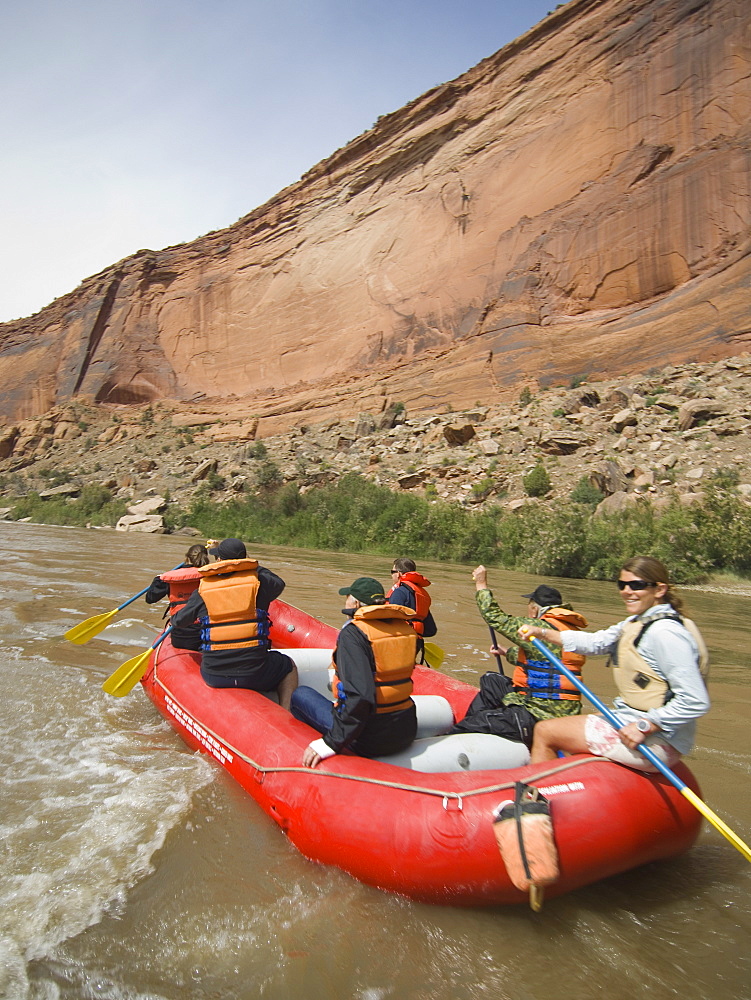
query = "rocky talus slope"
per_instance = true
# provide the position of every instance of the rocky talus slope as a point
(649, 439)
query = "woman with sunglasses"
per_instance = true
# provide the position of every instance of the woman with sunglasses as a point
(660, 662)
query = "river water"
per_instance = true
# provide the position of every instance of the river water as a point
(133, 868)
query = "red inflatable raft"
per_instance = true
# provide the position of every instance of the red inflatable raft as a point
(425, 835)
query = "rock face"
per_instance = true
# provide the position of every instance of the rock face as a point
(578, 204)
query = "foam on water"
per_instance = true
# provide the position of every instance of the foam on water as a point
(96, 787)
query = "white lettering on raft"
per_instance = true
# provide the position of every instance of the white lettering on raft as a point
(204, 738)
(572, 786)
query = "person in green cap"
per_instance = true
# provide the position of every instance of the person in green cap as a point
(373, 714)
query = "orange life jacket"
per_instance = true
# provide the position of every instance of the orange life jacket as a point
(394, 643)
(182, 583)
(539, 678)
(229, 589)
(417, 583)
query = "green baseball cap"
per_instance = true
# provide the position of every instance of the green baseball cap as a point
(366, 590)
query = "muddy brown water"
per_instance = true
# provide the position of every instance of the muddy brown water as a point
(133, 868)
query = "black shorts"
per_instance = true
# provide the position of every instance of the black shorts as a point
(266, 676)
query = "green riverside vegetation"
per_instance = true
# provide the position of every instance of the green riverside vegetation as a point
(564, 539)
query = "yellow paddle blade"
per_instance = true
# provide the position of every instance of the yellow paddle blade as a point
(716, 822)
(80, 634)
(127, 675)
(434, 655)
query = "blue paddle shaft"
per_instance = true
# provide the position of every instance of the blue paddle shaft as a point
(163, 636)
(142, 592)
(607, 714)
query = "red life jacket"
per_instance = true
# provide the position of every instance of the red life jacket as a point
(417, 583)
(182, 583)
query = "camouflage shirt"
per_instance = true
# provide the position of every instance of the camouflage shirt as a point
(508, 626)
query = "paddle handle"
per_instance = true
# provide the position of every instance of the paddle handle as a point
(651, 756)
(498, 659)
(142, 592)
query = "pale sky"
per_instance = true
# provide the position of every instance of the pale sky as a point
(140, 124)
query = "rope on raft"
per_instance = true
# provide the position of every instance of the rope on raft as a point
(560, 766)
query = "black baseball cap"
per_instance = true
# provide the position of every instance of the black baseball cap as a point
(229, 548)
(546, 597)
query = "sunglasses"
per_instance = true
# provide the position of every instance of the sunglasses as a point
(393, 571)
(634, 584)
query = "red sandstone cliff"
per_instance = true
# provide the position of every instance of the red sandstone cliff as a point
(576, 204)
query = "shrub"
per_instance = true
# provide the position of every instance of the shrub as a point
(267, 476)
(257, 450)
(537, 482)
(214, 481)
(726, 478)
(525, 396)
(483, 487)
(584, 492)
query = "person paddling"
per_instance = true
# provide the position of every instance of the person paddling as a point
(232, 603)
(512, 707)
(179, 584)
(660, 664)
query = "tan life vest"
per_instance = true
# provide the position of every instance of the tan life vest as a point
(229, 589)
(394, 644)
(638, 684)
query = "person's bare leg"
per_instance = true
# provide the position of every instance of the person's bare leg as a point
(285, 689)
(552, 735)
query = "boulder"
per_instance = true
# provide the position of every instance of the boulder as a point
(617, 502)
(204, 469)
(668, 401)
(622, 419)
(456, 435)
(411, 479)
(579, 398)
(554, 442)
(149, 523)
(608, 478)
(66, 490)
(489, 446)
(151, 506)
(694, 410)
(365, 425)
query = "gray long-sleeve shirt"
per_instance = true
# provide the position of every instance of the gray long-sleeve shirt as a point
(670, 650)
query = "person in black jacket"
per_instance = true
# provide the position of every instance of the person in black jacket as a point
(232, 603)
(375, 655)
(409, 588)
(179, 583)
